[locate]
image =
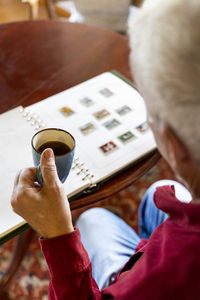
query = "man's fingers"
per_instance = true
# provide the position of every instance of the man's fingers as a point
(48, 167)
(17, 179)
(25, 176)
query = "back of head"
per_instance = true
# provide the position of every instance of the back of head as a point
(165, 59)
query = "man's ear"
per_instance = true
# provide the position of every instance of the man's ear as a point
(181, 161)
(178, 153)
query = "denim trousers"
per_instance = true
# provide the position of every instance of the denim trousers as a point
(110, 242)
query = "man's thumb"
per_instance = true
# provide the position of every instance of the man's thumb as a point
(48, 167)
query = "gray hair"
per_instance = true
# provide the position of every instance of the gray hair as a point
(165, 59)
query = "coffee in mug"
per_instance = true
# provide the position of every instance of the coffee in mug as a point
(63, 145)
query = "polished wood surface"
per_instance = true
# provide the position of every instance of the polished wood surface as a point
(41, 58)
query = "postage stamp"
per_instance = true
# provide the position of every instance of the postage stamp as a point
(87, 128)
(87, 102)
(123, 110)
(106, 92)
(108, 147)
(111, 124)
(101, 114)
(66, 111)
(142, 128)
(126, 137)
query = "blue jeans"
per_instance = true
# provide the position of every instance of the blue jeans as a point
(110, 242)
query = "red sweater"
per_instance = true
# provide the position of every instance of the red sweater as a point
(166, 267)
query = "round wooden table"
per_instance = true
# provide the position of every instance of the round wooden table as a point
(41, 58)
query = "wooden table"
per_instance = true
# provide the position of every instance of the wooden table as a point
(41, 58)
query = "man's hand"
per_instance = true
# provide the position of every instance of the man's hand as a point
(45, 208)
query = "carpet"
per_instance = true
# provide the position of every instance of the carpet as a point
(32, 279)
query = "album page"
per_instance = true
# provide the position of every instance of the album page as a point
(15, 154)
(107, 118)
(16, 130)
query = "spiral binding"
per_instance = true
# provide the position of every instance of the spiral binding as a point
(32, 118)
(83, 171)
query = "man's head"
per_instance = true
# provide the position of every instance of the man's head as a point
(165, 59)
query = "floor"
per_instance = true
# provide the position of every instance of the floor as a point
(15, 10)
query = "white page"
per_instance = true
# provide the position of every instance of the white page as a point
(15, 154)
(99, 164)
(16, 133)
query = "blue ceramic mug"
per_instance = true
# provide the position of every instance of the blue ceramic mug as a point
(63, 145)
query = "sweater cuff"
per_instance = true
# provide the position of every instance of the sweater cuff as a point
(65, 255)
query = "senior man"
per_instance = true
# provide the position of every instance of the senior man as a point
(162, 262)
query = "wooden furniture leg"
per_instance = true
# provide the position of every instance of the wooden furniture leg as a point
(33, 8)
(50, 8)
(22, 244)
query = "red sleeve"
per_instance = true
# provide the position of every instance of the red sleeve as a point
(167, 267)
(70, 268)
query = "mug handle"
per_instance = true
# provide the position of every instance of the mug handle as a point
(39, 175)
